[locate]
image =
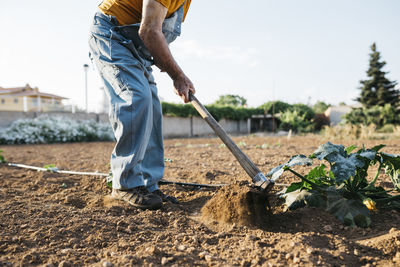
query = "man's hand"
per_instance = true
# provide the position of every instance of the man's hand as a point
(183, 86)
(150, 31)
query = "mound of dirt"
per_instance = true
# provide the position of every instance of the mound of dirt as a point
(238, 203)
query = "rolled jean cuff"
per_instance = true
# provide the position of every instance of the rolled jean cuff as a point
(153, 188)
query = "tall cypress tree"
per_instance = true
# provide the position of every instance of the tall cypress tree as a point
(378, 90)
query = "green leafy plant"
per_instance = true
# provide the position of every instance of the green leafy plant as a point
(51, 168)
(263, 146)
(242, 144)
(109, 179)
(296, 121)
(378, 115)
(343, 189)
(2, 159)
(217, 111)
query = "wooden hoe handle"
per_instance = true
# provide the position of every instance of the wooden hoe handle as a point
(251, 169)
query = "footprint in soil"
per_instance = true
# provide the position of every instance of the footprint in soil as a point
(211, 175)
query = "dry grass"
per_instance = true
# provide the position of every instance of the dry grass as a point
(349, 131)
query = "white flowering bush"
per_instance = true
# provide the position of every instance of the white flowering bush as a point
(55, 130)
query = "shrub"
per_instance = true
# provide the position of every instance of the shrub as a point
(55, 130)
(178, 110)
(232, 113)
(294, 120)
(377, 115)
(320, 120)
(217, 111)
(305, 110)
(320, 107)
(275, 107)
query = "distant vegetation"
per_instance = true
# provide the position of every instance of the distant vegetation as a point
(43, 130)
(379, 98)
(297, 117)
(231, 100)
(217, 111)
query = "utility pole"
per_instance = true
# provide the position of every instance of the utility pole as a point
(86, 68)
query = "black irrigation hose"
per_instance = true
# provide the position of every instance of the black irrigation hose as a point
(162, 181)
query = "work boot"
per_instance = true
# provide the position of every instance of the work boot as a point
(138, 197)
(164, 197)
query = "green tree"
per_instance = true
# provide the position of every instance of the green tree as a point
(274, 107)
(295, 120)
(320, 107)
(231, 100)
(377, 90)
(304, 110)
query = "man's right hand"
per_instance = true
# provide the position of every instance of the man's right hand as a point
(151, 33)
(183, 86)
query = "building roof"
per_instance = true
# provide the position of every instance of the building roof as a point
(27, 91)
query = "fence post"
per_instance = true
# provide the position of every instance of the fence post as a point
(191, 127)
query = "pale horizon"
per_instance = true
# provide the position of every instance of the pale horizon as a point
(297, 52)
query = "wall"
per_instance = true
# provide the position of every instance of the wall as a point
(172, 126)
(335, 114)
(195, 126)
(9, 103)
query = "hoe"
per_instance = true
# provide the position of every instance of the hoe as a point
(258, 178)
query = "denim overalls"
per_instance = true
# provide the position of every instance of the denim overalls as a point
(135, 111)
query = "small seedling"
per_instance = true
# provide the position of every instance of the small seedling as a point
(265, 146)
(242, 144)
(167, 160)
(222, 146)
(51, 168)
(109, 179)
(2, 159)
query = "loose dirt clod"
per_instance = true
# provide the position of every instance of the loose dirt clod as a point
(238, 203)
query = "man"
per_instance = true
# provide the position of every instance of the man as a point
(127, 37)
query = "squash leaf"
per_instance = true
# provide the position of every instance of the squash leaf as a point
(351, 212)
(276, 172)
(301, 198)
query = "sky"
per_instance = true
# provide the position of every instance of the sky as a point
(291, 50)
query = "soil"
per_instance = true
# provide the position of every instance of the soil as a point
(238, 203)
(69, 220)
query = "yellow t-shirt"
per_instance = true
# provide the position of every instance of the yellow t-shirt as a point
(130, 11)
